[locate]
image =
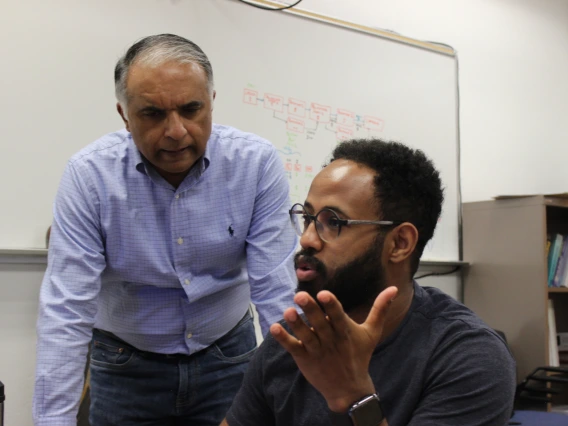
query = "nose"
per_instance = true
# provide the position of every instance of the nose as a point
(310, 238)
(174, 126)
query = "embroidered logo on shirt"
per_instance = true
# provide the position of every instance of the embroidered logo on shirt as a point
(231, 230)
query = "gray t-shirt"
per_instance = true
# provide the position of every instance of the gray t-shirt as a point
(443, 366)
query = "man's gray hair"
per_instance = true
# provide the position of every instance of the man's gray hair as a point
(156, 50)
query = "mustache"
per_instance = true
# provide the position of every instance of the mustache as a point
(307, 256)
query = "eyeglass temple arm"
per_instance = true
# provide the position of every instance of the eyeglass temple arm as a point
(370, 222)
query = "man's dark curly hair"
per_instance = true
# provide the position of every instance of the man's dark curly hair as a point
(407, 185)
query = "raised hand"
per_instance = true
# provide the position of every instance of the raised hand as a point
(334, 353)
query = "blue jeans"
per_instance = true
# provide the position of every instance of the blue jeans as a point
(134, 388)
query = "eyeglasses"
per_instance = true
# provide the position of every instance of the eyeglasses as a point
(328, 223)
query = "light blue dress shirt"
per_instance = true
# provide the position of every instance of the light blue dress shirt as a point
(167, 270)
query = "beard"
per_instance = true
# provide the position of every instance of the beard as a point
(356, 284)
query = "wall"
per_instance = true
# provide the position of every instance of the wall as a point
(514, 102)
(513, 58)
(19, 289)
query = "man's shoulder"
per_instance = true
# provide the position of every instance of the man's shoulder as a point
(113, 144)
(449, 320)
(434, 304)
(233, 139)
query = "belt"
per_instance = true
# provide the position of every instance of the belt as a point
(145, 354)
(159, 356)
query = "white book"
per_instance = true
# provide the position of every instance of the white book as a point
(553, 360)
(563, 282)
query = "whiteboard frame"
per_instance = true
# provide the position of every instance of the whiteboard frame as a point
(435, 47)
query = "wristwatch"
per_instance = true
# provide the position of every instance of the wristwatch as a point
(365, 412)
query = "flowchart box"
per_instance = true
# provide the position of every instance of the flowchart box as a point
(345, 117)
(250, 97)
(374, 123)
(343, 133)
(320, 113)
(295, 125)
(296, 107)
(274, 102)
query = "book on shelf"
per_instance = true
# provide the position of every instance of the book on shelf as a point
(560, 274)
(557, 260)
(547, 245)
(553, 356)
(562, 341)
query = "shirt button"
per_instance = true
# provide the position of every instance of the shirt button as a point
(180, 241)
(189, 336)
(186, 281)
(177, 196)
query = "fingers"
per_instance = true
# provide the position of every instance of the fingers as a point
(327, 327)
(306, 334)
(310, 338)
(288, 342)
(338, 319)
(376, 317)
(316, 317)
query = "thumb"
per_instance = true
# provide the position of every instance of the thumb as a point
(376, 318)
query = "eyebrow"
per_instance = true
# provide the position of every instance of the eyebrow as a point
(333, 208)
(192, 104)
(189, 105)
(150, 108)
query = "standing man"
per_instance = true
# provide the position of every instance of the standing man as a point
(378, 348)
(162, 234)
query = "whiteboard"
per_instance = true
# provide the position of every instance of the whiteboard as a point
(302, 81)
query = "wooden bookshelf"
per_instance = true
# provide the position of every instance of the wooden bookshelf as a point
(505, 242)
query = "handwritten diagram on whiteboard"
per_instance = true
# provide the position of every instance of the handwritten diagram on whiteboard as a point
(312, 130)
(305, 131)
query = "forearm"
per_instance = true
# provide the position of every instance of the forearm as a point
(59, 380)
(274, 293)
(63, 338)
(346, 411)
(271, 245)
(64, 329)
(352, 394)
(343, 419)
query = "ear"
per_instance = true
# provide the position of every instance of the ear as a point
(213, 99)
(122, 115)
(402, 242)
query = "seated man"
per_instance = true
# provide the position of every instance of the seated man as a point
(374, 347)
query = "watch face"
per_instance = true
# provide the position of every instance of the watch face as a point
(367, 412)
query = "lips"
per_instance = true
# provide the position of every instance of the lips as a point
(175, 152)
(306, 268)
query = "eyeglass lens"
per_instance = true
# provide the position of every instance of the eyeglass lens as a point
(327, 222)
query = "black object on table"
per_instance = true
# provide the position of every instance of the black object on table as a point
(2, 398)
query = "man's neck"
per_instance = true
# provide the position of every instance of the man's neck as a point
(396, 312)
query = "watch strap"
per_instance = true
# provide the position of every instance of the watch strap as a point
(356, 415)
(340, 419)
